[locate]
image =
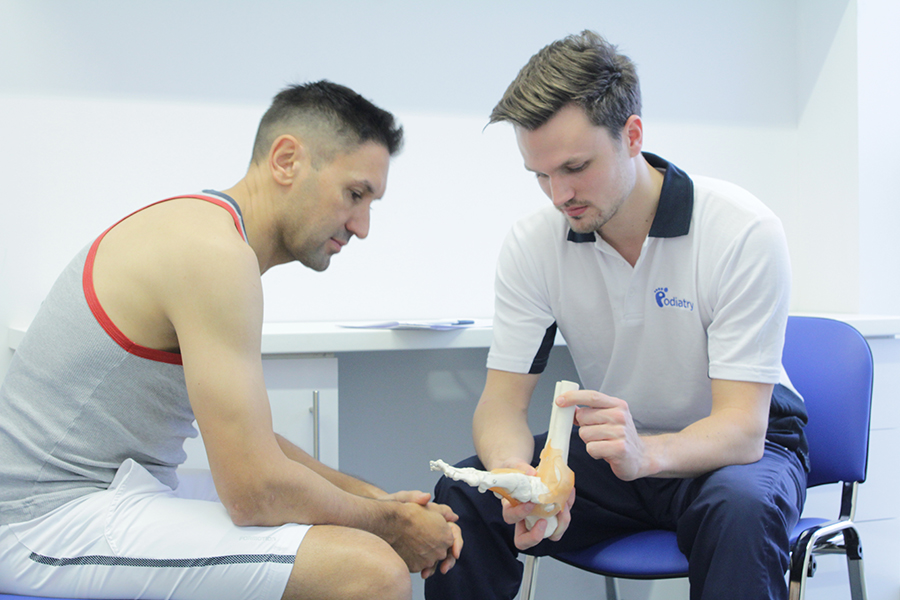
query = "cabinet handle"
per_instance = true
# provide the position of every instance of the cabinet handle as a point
(314, 409)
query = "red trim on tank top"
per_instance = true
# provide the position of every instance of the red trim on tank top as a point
(103, 319)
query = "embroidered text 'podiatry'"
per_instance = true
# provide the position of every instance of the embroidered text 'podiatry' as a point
(674, 302)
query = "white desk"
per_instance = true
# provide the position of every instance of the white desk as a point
(332, 338)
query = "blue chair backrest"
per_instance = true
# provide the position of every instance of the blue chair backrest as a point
(830, 364)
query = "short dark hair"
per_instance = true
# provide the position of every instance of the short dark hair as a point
(582, 69)
(336, 116)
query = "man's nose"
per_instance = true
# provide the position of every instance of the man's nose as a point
(358, 224)
(561, 191)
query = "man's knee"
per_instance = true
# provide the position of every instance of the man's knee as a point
(382, 573)
(339, 562)
(746, 505)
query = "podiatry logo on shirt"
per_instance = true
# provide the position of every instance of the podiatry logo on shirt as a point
(663, 301)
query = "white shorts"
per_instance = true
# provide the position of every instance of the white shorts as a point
(140, 539)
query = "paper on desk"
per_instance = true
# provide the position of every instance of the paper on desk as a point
(437, 324)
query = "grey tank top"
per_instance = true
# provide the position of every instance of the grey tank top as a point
(80, 398)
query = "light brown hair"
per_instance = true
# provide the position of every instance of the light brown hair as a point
(582, 69)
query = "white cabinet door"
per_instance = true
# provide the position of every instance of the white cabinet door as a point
(293, 383)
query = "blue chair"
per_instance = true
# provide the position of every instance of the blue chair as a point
(830, 364)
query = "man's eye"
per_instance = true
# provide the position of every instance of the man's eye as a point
(576, 168)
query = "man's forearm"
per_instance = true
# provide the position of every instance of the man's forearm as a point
(285, 491)
(702, 447)
(342, 480)
(501, 437)
(500, 425)
(734, 433)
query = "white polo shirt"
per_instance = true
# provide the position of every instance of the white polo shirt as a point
(708, 298)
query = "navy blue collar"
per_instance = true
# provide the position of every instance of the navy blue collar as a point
(676, 204)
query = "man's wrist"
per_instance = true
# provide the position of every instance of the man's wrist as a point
(386, 520)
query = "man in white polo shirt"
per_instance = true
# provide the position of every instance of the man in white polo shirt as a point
(672, 295)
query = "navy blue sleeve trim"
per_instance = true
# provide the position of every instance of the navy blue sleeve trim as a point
(543, 353)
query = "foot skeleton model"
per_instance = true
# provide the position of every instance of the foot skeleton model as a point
(550, 488)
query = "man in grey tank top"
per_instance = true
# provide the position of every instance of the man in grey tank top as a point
(159, 322)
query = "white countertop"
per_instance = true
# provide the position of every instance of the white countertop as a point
(301, 338)
(327, 338)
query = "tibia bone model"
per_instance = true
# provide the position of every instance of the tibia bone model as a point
(550, 488)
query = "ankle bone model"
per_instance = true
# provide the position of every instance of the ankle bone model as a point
(549, 488)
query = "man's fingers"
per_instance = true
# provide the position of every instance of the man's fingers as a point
(514, 514)
(526, 538)
(413, 496)
(589, 398)
(456, 548)
(445, 511)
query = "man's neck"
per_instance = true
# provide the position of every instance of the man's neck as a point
(258, 215)
(629, 232)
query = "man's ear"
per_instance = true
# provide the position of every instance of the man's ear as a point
(288, 159)
(633, 135)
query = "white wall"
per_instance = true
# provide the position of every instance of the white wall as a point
(879, 131)
(823, 218)
(106, 106)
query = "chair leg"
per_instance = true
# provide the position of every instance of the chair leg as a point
(529, 582)
(857, 580)
(529, 578)
(802, 555)
(796, 591)
(612, 588)
(853, 547)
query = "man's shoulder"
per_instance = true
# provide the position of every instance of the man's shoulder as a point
(179, 243)
(185, 227)
(717, 194)
(192, 212)
(544, 224)
(725, 211)
(203, 243)
(178, 257)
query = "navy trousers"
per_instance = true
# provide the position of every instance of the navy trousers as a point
(733, 525)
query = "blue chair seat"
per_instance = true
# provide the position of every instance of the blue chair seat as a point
(651, 554)
(627, 555)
